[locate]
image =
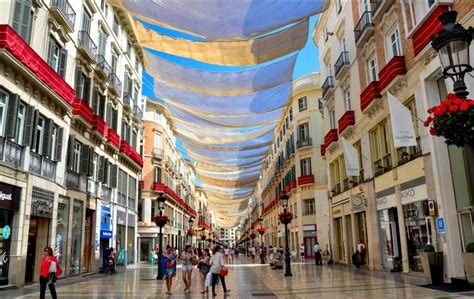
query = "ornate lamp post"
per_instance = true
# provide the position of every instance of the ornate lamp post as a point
(261, 230)
(190, 230)
(203, 238)
(452, 44)
(160, 221)
(285, 218)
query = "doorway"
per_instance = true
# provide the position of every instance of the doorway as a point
(88, 242)
(349, 238)
(339, 239)
(31, 250)
(309, 243)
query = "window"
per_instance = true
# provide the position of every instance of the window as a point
(22, 19)
(129, 49)
(157, 175)
(115, 26)
(371, 69)
(102, 5)
(306, 167)
(39, 135)
(381, 148)
(113, 66)
(358, 147)
(405, 154)
(347, 100)
(86, 21)
(57, 57)
(102, 44)
(332, 118)
(291, 114)
(335, 176)
(157, 141)
(364, 6)
(95, 158)
(343, 43)
(303, 132)
(82, 86)
(309, 207)
(302, 104)
(338, 6)
(77, 156)
(20, 122)
(3, 110)
(394, 44)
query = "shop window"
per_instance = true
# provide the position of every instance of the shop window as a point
(302, 104)
(23, 19)
(75, 256)
(381, 148)
(60, 249)
(309, 207)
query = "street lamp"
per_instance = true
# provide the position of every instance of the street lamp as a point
(286, 220)
(161, 205)
(190, 222)
(261, 231)
(452, 44)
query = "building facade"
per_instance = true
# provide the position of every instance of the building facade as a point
(165, 171)
(369, 49)
(295, 166)
(68, 179)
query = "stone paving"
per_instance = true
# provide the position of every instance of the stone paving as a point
(248, 281)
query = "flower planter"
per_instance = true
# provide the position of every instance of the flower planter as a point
(161, 223)
(432, 267)
(468, 261)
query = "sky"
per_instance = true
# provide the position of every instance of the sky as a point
(306, 63)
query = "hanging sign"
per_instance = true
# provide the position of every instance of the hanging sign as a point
(6, 232)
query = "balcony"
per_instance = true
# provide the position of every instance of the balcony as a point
(99, 126)
(158, 186)
(305, 180)
(158, 153)
(342, 64)
(364, 29)
(75, 181)
(93, 188)
(370, 93)
(323, 150)
(137, 112)
(346, 121)
(64, 14)
(10, 152)
(379, 7)
(395, 67)
(113, 138)
(129, 153)
(304, 143)
(102, 67)
(330, 137)
(116, 84)
(86, 45)
(82, 112)
(127, 101)
(26, 56)
(106, 194)
(327, 86)
(430, 26)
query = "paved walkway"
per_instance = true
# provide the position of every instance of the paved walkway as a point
(248, 281)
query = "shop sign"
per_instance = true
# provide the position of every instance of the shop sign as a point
(441, 228)
(311, 227)
(386, 202)
(414, 194)
(9, 197)
(121, 218)
(6, 232)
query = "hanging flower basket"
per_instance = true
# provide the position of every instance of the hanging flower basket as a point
(261, 230)
(253, 236)
(453, 119)
(203, 237)
(285, 217)
(161, 220)
(190, 232)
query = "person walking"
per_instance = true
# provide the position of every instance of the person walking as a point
(217, 264)
(49, 271)
(270, 254)
(317, 254)
(168, 264)
(253, 253)
(204, 266)
(361, 250)
(187, 268)
(302, 252)
(264, 253)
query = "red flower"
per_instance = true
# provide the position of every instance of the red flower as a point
(433, 132)
(451, 96)
(428, 121)
(464, 106)
(453, 108)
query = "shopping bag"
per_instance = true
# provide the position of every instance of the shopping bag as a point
(208, 279)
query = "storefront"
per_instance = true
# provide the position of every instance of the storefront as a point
(60, 246)
(105, 233)
(9, 203)
(309, 239)
(120, 247)
(418, 222)
(389, 232)
(131, 239)
(76, 237)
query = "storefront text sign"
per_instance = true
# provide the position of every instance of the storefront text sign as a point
(414, 194)
(9, 197)
(386, 202)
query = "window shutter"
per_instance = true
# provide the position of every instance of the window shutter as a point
(33, 131)
(84, 166)
(90, 168)
(62, 62)
(109, 115)
(48, 138)
(87, 91)
(12, 114)
(95, 101)
(102, 106)
(113, 176)
(115, 120)
(28, 131)
(52, 46)
(106, 171)
(100, 173)
(22, 19)
(70, 152)
(78, 83)
(59, 145)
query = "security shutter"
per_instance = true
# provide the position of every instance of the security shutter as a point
(48, 138)
(59, 145)
(100, 173)
(70, 152)
(12, 114)
(84, 166)
(113, 176)
(62, 62)
(28, 131)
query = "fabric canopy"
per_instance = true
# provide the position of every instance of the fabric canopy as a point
(221, 83)
(259, 142)
(221, 20)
